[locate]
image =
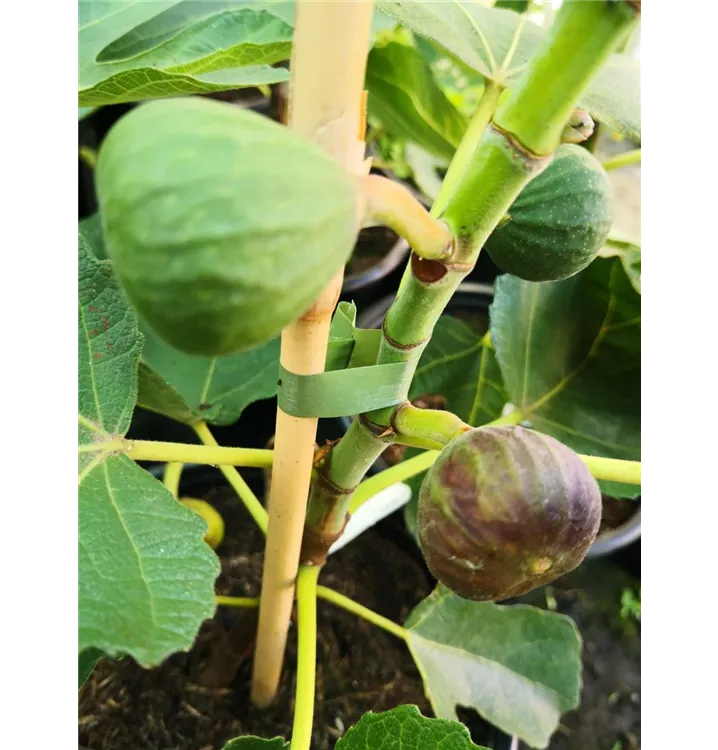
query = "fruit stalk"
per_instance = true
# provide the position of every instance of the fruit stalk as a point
(325, 104)
(391, 204)
(514, 148)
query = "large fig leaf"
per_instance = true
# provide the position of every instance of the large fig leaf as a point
(614, 95)
(462, 85)
(146, 577)
(133, 51)
(404, 728)
(481, 37)
(214, 389)
(570, 354)
(518, 666)
(407, 100)
(460, 364)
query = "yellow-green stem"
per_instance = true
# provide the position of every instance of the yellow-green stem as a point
(623, 160)
(211, 454)
(398, 473)
(462, 157)
(513, 417)
(613, 469)
(255, 508)
(88, 156)
(391, 204)
(172, 476)
(428, 425)
(334, 597)
(306, 656)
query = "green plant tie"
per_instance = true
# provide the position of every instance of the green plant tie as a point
(340, 393)
(351, 383)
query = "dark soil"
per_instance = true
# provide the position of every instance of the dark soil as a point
(199, 700)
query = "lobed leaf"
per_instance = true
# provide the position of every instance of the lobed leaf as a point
(404, 728)
(518, 666)
(146, 577)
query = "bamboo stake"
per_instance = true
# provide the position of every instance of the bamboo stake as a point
(328, 64)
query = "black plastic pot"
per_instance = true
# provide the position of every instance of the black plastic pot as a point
(476, 298)
(366, 286)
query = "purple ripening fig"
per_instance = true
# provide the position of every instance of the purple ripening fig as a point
(505, 510)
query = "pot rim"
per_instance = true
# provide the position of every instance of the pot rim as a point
(356, 281)
(614, 539)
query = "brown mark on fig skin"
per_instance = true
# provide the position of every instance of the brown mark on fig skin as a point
(505, 510)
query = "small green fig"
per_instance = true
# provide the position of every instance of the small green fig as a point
(504, 510)
(559, 221)
(222, 226)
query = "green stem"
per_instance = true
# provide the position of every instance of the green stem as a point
(608, 469)
(306, 657)
(580, 40)
(349, 459)
(351, 606)
(623, 160)
(172, 476)
(237, 601)
(391, 204)
(432, 425)
(212, 455)
(329, 595)
(513, 417)
(463, 155)
(613, 469)
(250, 500)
